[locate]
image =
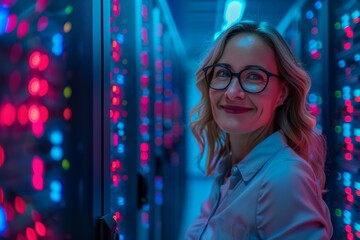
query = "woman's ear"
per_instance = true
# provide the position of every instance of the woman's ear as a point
(284, 94)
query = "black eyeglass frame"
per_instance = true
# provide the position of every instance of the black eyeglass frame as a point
(250, 67)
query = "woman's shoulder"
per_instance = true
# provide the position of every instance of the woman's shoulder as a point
(287, 167)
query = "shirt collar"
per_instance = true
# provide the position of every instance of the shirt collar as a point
(261, 154)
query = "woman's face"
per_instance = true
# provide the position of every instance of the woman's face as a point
(236, 111)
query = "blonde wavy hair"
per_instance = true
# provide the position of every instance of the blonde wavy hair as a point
(293, 118)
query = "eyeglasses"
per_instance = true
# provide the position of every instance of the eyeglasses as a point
(252, 79)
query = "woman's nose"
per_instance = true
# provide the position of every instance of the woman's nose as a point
(235, 90)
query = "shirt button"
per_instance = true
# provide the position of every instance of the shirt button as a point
(234, 170)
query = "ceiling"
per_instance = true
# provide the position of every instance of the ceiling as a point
(197, 20)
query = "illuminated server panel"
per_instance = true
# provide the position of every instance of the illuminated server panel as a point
(49, 115)
(345, 46)
(314, 56)
(145, 118)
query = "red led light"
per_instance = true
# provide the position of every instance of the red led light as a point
(117, 216)
(347, 103)
(9, 210)
(115, 56)
(34, 59)
(347, 46)
(34, 86)
(144, 147)
(20, 205)
(315, 54)
(144, 79)
(40, 5)
(144, 12)
(116, 179)
(37, 166)
(314, 30)
(357, 138)
(348, 190)
(40, 229)
(348, 228)
(67, 113)
(144, 128)
(31, 234)
(115, 89)
(115, 115)
(144, 156)
(44, 87)
(348, 156)
(11, 23)
(115, 139)
(38, 182)
(115, 45)
(44, 114)
(42, 23)
(34, 113)
(44, 62)
(350, 109)
(347, 140)
(23, 29)
(22, 114)
(350, 236)
(356, 20)
(144, 58)
(347, 118)
(2, 160)
(350, 147)
(115, 165)
(115, 101)
(38, 128)
(7, 114)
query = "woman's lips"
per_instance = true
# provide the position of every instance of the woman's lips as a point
(235, 109)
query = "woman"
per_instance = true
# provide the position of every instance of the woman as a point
(261, 145)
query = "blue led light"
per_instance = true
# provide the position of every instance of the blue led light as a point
(357, 185)
(2, 220)
(120, 38)
(56, 153)
(341, 63)
(318, 4)
(357, 131)
(357, 227)
(355, 14)
(309, 14)
(357, 57)
(158, 198)
(347, 217)
(55, 194)
(4, 14)
(312, 98)
(56, 137)
(121, 201)
(120, 79)
(121, 132)
(57, 41)
(158, 183)
(120, 148)
(120, 125)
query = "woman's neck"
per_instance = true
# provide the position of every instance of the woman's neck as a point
(242, 144)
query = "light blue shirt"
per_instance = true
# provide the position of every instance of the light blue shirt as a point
(272, 194)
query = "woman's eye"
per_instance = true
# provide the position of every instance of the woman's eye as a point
(255, 77)
(222, 73)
